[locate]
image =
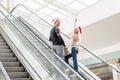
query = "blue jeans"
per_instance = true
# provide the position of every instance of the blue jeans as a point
(74, 52)
(58, 49)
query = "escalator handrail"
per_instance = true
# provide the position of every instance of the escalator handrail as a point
(50, 47)
(4, 72)
(85, 69)
(92, 75)
(32, 43)
(13, 25)
(68, 37)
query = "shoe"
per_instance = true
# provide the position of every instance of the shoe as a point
(73, 77)
(68, 72)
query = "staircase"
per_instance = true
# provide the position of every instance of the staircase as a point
(12, 65)
(102, 70)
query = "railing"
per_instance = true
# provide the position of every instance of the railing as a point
(2, 11)
(35, 15)
(12, 17)
(84, 50)
(45, 40)
(64, 35)
(3, 73)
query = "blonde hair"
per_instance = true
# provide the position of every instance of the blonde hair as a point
(76, 33)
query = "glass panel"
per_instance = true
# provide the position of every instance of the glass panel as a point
(64, 12)
(49, 20)
(52, 7)
(40, 14)
(96, 64)
(58, 62)
(89, 2)
(64, 1)
(46, 10)
(56, 14)
(31, 4)
(20, 1)
(40, 1)
(76, 5)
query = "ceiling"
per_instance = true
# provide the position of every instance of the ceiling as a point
(49, 9)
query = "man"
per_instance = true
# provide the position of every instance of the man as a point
(56, 39)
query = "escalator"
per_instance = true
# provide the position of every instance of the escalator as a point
(3, 73)
(85, 75)
(94, 60)
(25, 40)
(12, 65)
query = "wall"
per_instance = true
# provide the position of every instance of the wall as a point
(94, 13)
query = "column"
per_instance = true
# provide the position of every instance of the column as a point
(116, 64)
(10, 4)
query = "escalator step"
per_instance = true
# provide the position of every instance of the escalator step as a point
(6, 54)
(1, 40)
(2, 43)
(11, 64)
(18, 74)
(21, 79)
(5, 51)
(8, 59)
(4, 47)
(14, 69)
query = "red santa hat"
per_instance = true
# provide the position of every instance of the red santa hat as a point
(55, 19)
(80, 29)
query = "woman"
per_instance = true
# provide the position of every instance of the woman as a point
(74, 48)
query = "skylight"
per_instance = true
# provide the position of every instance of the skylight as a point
(52, 7)
(57, 15)
(40, 14)
(64, 12)
(64, 1)
(76, 5)
(40, 1)
(56, 8)
(20, 1)
(89, 2)
(48, 19)
(46, 10)
(31, 4)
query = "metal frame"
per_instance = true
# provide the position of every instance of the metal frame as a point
(67, 37)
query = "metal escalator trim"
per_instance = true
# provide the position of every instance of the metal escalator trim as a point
(90, 73)
(68, 37)
(4, 73)
(64, 62)
(73, 71)
(34, 45)
(8, 19)
(44, 55)
(18, 50)
(35, 32)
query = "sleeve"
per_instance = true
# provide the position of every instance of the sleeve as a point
(63, 43)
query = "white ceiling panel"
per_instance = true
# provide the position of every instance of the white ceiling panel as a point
(76, 5)
(89, 2)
